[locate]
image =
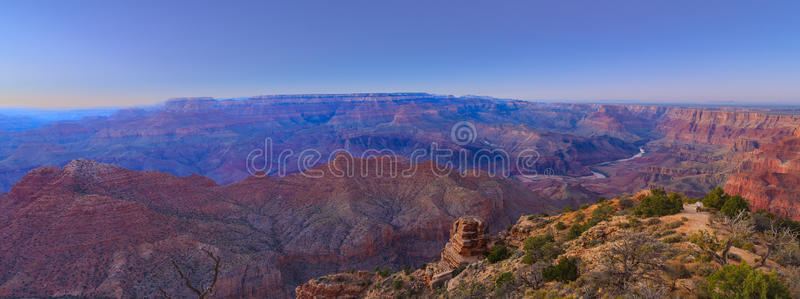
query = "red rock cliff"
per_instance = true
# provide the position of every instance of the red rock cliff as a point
(96, 230)
(770, 178)
(715, 127)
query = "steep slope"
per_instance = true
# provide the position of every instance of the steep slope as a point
(93, 229)
(770, 178)
(619, 255)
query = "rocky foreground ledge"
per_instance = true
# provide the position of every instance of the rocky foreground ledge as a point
(609, 249)
(467, 244)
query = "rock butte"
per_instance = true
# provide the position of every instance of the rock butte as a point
(467, 242)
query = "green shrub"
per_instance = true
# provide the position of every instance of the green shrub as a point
(383, 272)
(567, 209)
(673, 239)
(734, 205)
(579, 217)
(575, 231)
(398, 284)
(715, 199)
(539, 248)
(458, 270)
(765, 220)
(661, 233)
(743, 244)
(601, 199)
(565, 270)
(407, 270)
(498, 253)
(673, 225)
(705, 269)
(602, 212)
(626, 203)
(561, 226)
(537, 241)
(584, 206)
(504, 279)
(653, 221)
(742, 281)
(529, 258)
(658, 203)
(727, 204)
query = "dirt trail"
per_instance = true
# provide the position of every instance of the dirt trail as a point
(697, 221)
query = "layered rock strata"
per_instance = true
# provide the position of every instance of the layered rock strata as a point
(467, 242)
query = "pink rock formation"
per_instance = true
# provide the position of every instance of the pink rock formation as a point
(467, 242)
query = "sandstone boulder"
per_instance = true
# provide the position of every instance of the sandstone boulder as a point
(467, 242)
(341, 285)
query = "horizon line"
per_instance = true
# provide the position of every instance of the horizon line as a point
(602, 101)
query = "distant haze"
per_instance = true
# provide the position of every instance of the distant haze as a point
(112, 54)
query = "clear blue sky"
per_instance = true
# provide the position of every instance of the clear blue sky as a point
(110, 53)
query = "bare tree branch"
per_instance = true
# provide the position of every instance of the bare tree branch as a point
(633, 258)
(775, 239)
(216, 260)
(200, 292)
(164, 293)
(741, 230)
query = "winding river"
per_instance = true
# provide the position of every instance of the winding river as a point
(597, 175)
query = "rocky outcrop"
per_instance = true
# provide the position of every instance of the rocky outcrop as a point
(467, 243)
(341, 285)
(590, 253)
(745, 145)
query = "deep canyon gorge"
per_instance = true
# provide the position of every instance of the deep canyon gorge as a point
(121, 195)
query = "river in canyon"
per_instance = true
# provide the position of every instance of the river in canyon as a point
(598, 175)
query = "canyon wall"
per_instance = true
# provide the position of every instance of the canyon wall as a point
(719, 127)
(770, 178)
(97, 230)
(213, 138)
